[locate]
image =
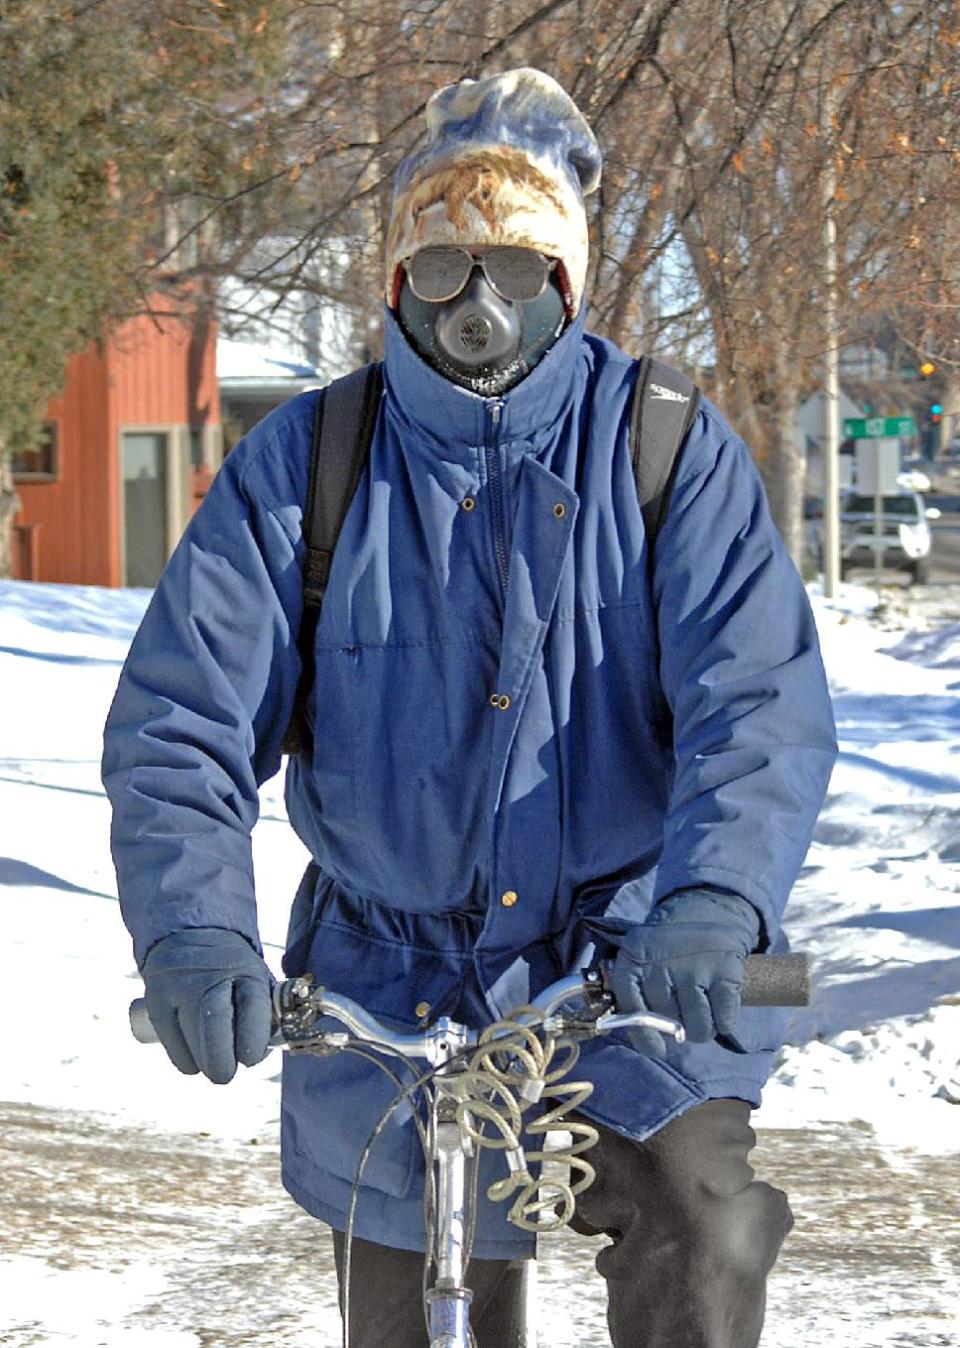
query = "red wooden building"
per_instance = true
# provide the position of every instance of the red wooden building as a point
(131, 445)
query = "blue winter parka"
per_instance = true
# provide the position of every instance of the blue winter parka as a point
(521, 736)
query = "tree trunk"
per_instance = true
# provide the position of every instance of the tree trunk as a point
(784, 474)
(9, 507)
(769, 430)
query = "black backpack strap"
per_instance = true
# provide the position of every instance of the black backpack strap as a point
(344, 422)
(665, 403)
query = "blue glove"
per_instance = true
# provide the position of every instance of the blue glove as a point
(686, 962)
(209, 995)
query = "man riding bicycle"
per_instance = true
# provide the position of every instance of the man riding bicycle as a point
(531, 740)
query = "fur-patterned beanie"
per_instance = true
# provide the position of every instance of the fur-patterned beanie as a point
(508, 160)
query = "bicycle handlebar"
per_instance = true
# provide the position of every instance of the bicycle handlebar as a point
(769, 980)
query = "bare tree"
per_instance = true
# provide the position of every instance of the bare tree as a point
(743, 108)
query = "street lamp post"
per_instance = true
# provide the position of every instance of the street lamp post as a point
(831, 495)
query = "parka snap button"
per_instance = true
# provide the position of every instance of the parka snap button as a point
(509, 898)
(468, 503)
(421, 1010)
(559, 510)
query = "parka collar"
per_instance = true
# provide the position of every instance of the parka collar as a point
(454, 416)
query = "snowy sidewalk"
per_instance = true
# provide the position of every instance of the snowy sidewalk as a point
(111, 1251)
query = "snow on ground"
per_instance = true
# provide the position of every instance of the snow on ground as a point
(69, 974)
(876, 904)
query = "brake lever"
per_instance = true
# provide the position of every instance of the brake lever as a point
(640, 1020)
(598, 995)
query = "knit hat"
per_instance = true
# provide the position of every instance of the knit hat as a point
(508, 160)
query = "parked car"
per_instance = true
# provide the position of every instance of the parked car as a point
(904, 542)
(914, 477)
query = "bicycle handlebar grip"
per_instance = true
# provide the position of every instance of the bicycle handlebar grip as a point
(776, 980)
(141, 1024)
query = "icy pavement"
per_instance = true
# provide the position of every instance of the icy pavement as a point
(128, 1237)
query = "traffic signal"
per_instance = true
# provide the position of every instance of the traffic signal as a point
(927, 369)
(936, 412)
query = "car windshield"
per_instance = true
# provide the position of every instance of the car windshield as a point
(892, 505)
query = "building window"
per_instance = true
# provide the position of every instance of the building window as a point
(41, 464)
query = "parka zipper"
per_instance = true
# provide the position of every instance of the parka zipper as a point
(495, 479)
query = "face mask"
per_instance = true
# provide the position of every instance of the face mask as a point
(479, 340)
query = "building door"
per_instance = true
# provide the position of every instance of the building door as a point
(145, 505)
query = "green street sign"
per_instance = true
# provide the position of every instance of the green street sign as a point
(878, 428)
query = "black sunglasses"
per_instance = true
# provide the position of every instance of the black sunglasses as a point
(440, 272)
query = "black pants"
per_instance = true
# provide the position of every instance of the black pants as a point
(694, 1237)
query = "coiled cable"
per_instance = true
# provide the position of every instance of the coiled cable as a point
(502, 1081)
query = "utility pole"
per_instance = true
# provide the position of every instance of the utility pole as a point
(831, 448)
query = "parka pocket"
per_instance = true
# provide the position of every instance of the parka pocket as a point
(331, 1108)
(332, 1105)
